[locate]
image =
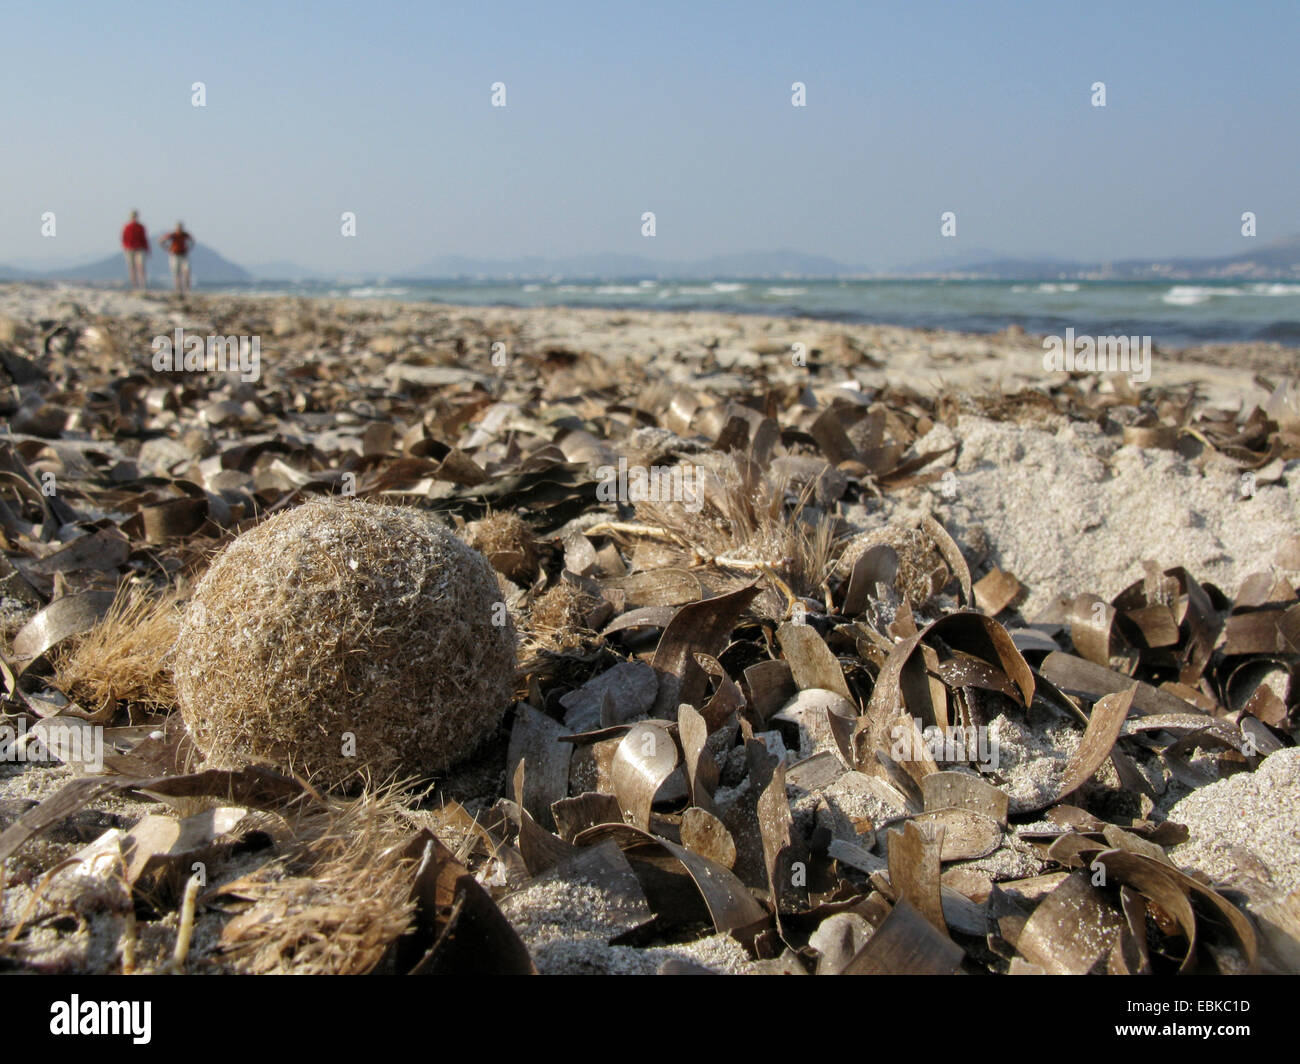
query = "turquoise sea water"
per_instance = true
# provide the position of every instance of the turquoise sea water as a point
(1175, 313)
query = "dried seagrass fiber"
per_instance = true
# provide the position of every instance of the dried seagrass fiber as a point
(341, 640)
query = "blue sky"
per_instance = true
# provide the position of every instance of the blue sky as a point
(683, 109)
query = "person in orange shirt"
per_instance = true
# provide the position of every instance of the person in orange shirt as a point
(178, 243)
(135, 246)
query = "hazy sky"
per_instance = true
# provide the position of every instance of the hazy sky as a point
(683, 109)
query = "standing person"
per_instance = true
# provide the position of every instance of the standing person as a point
(135, 245)
(178, 243)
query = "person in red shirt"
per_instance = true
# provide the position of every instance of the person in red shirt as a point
(135, 245)
(178, 243)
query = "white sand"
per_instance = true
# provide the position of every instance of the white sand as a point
(1245, 825)
(1069, 510)
(567, 924)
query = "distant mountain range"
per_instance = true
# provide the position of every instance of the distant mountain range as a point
(1274, 261)
(1279, 259)
(207, 266)
(777, 264)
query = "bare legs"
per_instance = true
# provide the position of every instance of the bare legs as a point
(181, 273)
(135, 269)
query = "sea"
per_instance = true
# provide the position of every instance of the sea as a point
(1172, 313)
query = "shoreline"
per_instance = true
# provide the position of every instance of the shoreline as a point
(1007, 321)
(927, 358)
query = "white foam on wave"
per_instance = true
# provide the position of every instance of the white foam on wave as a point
(1191, 295)
(785, 292)
(1277, 289)
(376, 293)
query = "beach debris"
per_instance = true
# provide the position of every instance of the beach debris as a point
(757, 725)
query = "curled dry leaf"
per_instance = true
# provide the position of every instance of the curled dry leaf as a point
(783, 853)
(697, 628)
(952, 554)
(997, 591)
(966, 834)
(646, 757)
(730, 904)
(959, 790)
(701, 769)
(906, 943)
(67, 616)
(914, 856)
(1070, 930)
(1137, 869)
(537, 739)
(705, 834)
(811, 662)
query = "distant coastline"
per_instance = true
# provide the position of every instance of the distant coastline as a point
(1275, 261)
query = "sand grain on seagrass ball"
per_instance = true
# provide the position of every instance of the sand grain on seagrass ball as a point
(343, 619)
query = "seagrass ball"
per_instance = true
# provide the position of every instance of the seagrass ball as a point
(342, 639)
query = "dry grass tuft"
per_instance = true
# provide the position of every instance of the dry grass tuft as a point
(337, 902)
(123, 660)
(745, 525)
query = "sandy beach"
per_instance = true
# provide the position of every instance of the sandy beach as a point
(1130, 503)
(1059, 498)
